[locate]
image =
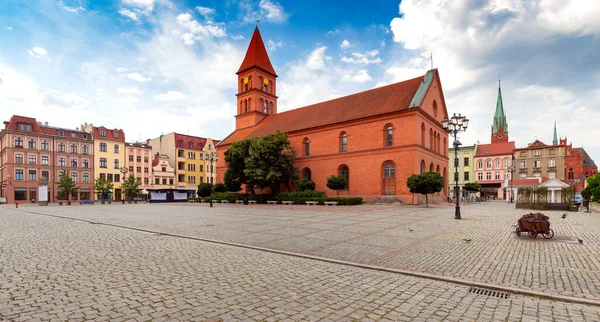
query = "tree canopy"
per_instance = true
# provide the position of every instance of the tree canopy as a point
(425, 183)
(593, 188)
(103, 186)
(336, 183)
(472, 186)
(131, 187)
(204, 190)
(261, 162)
(66, 186)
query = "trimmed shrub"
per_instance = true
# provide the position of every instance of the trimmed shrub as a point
(204, 189)
(305, 184)
(219, 187)
(292, 195)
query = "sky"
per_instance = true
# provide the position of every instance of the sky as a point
(158, 66)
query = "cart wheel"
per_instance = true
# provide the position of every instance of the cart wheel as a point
(549, 234)
(518, 231)
(533, 233)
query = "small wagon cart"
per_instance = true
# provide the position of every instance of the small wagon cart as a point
(534, 224)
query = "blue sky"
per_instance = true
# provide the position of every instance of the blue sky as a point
(157, 66)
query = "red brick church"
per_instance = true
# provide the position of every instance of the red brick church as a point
(375, 139)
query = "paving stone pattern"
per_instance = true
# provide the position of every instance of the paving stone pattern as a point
(60, 269)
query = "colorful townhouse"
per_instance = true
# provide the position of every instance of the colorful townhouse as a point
(109, 157)
(466, 169)
(139, 163)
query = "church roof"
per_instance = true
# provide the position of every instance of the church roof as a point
(499, 117)
(587, 160)
(498, 148)
(256, 55)
(555, 138)
(374, 102)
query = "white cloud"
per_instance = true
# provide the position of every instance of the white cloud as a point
(170, 96)
(195, 31)
(9, 28)
(345, 44)
(122, 70)
(238, 37)
(332, 33)
(128, 90)
(205, 11)
(135, 16)
(361, 76)
(39, 53)
(273, 45)
(70, 9)
(273, 11)
(363, 59)
(138, 77)
(145, 4)
(317, 58)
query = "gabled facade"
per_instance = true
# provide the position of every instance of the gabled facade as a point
(466, 168)
(375, 139)
(541, 160)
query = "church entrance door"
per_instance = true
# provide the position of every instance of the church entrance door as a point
(389, 178)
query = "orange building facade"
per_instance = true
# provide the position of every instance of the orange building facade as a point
(375, 139)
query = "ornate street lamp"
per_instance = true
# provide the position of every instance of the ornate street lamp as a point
(124, 171)
(211, 157)
(453, 126)
(512, 174)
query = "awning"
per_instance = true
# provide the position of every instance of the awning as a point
(144, 192)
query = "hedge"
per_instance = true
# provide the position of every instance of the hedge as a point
(298, 197)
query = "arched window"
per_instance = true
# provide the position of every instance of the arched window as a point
(85, 149)
(180, 143)
(434, 147)
(445, 147)
(306, 143)
(73, 148)
(423, 134)
(497, 163)
(345, 173)
(241, 110)
(32, 144)
(437, 169)
(571, 174)
(506, 161)
(480, 164)
(61, 147)
(430, 139)
(270, 108)
(191, 144)
(45, 146)
(488, 164)
(422, 166)
(439, 143)
(306, 174)
(245, 106)
(389, 135)
(435, 109)
(265, 106)
(431, 167)
(343, 142)
(389, 169)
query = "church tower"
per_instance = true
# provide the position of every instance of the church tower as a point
(256, 97)
(499, 125)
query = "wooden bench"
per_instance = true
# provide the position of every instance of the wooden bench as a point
(224, 201)
(272, 202)
(86, 202)
(312, 203)
(239, 201)
(287, 202)
(252, 202)
(331, 203)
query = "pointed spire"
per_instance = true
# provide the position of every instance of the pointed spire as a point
(256, 55)
(555, 139)
(499, 117)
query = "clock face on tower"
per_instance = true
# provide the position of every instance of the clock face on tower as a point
(266, 81)
(246, 80)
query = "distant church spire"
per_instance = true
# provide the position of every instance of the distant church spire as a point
(555, 139)
(499, 125)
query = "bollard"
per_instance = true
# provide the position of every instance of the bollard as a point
(17, 204)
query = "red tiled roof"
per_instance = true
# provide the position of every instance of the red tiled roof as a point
(499, 148)
(13, 124)
(256, 55)
(198, 142)
(525, 182)
(378, 101)
(109, 134)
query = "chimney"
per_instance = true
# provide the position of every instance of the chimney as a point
(40, 123)
(46, 123)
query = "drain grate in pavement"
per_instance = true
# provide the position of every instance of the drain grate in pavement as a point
(488, 292)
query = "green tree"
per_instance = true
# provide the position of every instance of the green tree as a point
(425, 183)
(305, 184)
(204, 190)
(131, 187)
(336, 183)
(219, 187)
(232, 184)
(587, 193)
(103, 187)
(67, 187)
(472, 186)
(235, 158)
(593, 184)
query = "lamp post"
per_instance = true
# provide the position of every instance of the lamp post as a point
(512, 174)
(453, 126)
(124, 171)
(211, 158)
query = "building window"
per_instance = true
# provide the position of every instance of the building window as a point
(103, 163)
(389, 134)
(571, 174)
(109, 177)
(506, 177)
(115, 134)
(171, 182)
(20, 194)
(116, 148)
(191, 167)
(497, 164)
(466, 161)
(306, 143)
(506, 163)
(423, 134)
(73, 148)
(191, 155)
(45, 175)
(537, 152)
(537, 164)
(131, 168)
(32, 175)
(145, 159)
(25, 127)
(157, 181)
(164, 169)
(145, 169)
(102, 132)
(488, 164)
(138, 159)
(19, 174)
(45, 146)
(85, 163)
(202, 168)
(164, 181)
(19, 142)
(18, 158)
(552, 175)
(103, 147)
(466, 176)
(32, 144)
(488, 176)
(479, 176)
(191, 179)
(73, 163)
(62, 162)
(344, 142)
(497, 176)
(345, 173)
(131, 158)
(138, 169)
(86, 177)
(116, 163)
(118, 177)
(61, 147)
(146, 181)
(74, 176)
(139, 180)
(45, 160)
(552, 152)
(523, 165)
(480, 164)
(85, 149)
(180, 143)
(306, 174)
(32, 159)
(551, 163)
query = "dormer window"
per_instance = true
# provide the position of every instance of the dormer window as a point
(115, 134)
(191, 144)
(180, 143)
(102, 132)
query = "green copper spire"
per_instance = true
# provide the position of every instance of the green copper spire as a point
(499, 117)
(555, 139)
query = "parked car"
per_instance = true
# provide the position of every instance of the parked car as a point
(578, 199)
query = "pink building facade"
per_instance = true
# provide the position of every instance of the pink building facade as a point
(139, 163)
